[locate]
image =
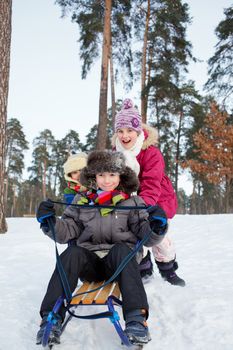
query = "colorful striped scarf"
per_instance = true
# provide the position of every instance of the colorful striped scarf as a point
(100, 197)
(76, 187)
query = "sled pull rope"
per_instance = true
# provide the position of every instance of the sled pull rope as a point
(100, 206)
(61, 271)
(122, 265)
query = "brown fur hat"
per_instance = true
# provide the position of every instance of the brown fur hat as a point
(112, 162)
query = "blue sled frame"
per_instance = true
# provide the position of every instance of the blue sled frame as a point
(114, 318)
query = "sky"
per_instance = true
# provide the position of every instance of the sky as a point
(46, 90)
(196, 317)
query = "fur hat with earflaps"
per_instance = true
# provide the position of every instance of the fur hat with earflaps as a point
(111, 162)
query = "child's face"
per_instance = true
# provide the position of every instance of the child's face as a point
(75, 175)
(107, 181)
(127, 137)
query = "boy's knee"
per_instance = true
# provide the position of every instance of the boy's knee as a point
(73, 251)
(121, 248)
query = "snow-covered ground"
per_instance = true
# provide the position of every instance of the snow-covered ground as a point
(197, 317)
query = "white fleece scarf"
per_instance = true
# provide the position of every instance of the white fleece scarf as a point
(131, 154)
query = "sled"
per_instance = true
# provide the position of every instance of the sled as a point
(102, 294)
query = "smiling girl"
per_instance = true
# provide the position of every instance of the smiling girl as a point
(139, 144)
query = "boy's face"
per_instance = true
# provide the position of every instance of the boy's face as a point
(107, 181)
(75, 175)
(127, 137)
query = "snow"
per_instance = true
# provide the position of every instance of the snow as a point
(197, 317)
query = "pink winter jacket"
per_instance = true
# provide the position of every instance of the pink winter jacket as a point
(155, 186)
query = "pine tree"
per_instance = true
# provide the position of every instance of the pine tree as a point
(103, 97)
(91, 137)
(183, 105)
(16, 144)
(29, 197)
(42, 162)
(220, 71)
(5, 43)
(106, 22)
(161, 26)
(61, 151)
(197, 114)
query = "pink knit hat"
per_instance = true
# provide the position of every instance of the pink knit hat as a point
(128, 117)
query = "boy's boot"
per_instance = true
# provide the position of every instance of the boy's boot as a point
(167, 271)
(54, 337)
(136, 327)
(146, 266)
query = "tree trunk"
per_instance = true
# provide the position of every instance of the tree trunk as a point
(227, 195)
(199, 198)
(44, 180)
(6, 184)
(178, 152)
(5, 43)
(6, 178)
(55, 182)
(30, 204)
(144, 64)
(113, 97)
(103, 99)
(193, 206)
(14, 201)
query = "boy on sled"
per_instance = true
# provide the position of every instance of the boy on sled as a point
(104, 237)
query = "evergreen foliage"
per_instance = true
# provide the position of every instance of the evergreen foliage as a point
(193, 132)
(105, 29)
(16, 144)
(220, 72)
(89, 15)
(62, 150)
(91, 137)
(168, 50)
(164, 91)
(42, 162)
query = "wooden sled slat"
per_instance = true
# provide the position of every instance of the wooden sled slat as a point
(98, 297)
(90, 297)
(103, 294)
(116, 291)
(83, 288)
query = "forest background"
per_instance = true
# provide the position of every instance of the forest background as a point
(134, 43)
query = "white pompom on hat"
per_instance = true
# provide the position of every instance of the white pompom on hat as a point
(74, 163)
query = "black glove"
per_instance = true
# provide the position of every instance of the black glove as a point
(45, 210)
(158, 220)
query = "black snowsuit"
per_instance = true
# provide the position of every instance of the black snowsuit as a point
(116, 235)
